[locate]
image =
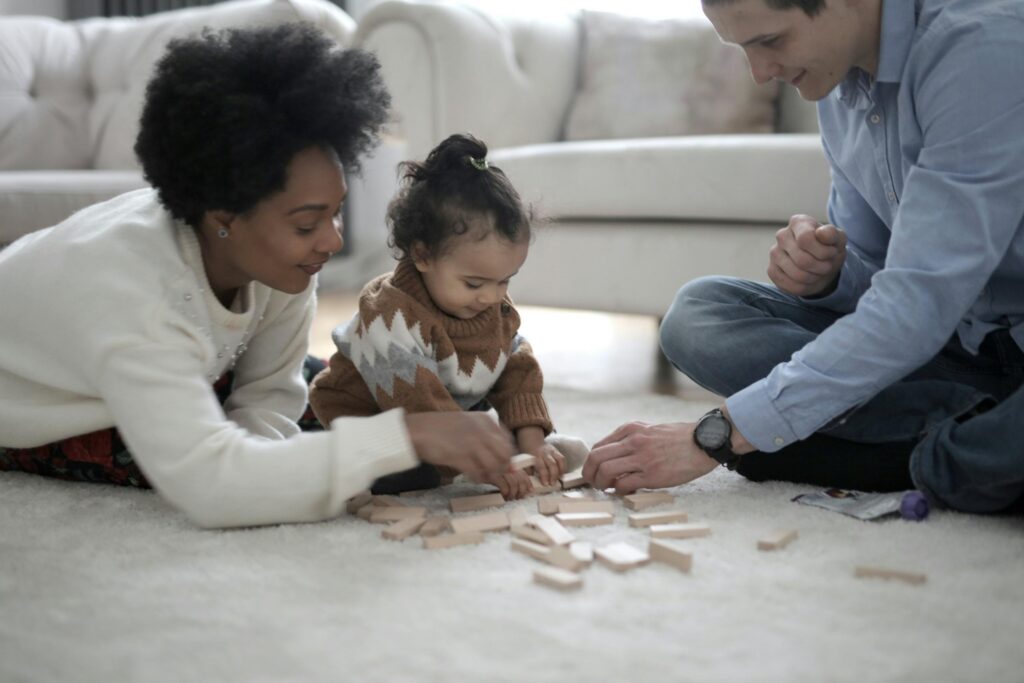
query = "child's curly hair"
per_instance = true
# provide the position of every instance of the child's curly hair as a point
(440, 196)
(227, 111)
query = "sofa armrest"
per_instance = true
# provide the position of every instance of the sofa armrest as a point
(457, 68)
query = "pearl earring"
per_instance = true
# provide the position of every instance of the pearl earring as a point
(222, 233)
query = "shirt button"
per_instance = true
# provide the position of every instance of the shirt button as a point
(875, 118)
(891, 196)
(779, 441)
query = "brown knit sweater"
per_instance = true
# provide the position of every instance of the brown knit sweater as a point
(401, 350)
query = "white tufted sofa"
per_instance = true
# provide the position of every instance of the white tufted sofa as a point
(632, 219)
(71, 94)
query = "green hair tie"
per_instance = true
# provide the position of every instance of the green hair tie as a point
(479, 164)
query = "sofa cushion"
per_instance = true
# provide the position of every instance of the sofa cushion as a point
(71, 92)
(711, 177)
(689, 82)
(44, 95)
(30, 200)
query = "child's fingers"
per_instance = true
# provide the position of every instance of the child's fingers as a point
(550, 466)
(559, 461)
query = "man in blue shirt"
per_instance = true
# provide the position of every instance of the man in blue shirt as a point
(888, 352)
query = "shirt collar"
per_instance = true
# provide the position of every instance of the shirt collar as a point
(898, 24)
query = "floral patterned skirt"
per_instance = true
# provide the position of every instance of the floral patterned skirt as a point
(102, 456)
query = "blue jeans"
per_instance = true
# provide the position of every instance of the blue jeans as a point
(961, 415)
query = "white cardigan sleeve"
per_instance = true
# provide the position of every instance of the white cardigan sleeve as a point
(217, 473)
(269, 392)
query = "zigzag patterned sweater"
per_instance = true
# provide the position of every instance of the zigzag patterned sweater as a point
(402, 351)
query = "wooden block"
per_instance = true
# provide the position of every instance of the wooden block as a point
(679, 530)
(452, 540)
(388, 501)
(621, 556)
(530, 533)
(471, 503)
(357, 501)
(586, 506)
(435, 525)
(556, 555)
(522, 461)
(517, 516)
(574, 479)
(585, 518)
(660, 551)
(549, 506)
(780, 540)
(551, 528)
(540, 489)
(382, 515)
(402, 529)
(649, 518)
(582, 551)
(576, 494)
(561, 579)
(537, 551)
(885, 573)
(367, 510)
(489, 521)
(642, 501)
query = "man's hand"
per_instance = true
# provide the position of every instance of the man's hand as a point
(640, 455)
(807, 257)
(471, 443)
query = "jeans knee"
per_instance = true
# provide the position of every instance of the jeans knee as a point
(687, 339)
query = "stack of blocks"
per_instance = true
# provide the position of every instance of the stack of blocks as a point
(545, 537)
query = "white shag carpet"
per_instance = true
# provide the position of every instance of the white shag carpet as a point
(99, 583)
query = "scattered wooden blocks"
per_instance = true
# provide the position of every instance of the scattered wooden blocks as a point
(522, 461)
(585, 518)
(489, 521)
(576, 494)
(556, 533)
(885, 573)
(574, 479)
(778, 541)
(679, 530)
(648, 518)
(642, 501)
(357, 501)
(586, 506)
(382, 515)
(621, 556)
(660, 551)
(471, 503)
(402, 529)
(452, 540)
(561, 579)
(435, 525)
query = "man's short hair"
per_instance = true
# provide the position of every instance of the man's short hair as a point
(809, 7)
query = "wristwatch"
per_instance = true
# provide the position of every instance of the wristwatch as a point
(712, 434)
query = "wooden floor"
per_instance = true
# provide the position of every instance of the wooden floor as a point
(580, 350)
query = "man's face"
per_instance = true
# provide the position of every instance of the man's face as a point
(813, 54)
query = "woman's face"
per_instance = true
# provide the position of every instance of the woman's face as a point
(286, 238)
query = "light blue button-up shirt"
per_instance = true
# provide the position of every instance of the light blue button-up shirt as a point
(928, 182)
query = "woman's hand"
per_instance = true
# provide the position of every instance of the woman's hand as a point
(471, 443)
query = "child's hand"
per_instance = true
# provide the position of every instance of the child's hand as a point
(512, 485)
(550, 464)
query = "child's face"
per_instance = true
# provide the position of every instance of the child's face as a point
(472, 274)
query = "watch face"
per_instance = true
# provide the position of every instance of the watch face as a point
(712, 432)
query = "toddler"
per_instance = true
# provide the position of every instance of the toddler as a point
(440, 332)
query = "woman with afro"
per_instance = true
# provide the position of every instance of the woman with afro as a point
(159, 338)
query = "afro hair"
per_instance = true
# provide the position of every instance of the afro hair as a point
(226, 111)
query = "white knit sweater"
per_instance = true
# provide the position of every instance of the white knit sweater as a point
(108, 320)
